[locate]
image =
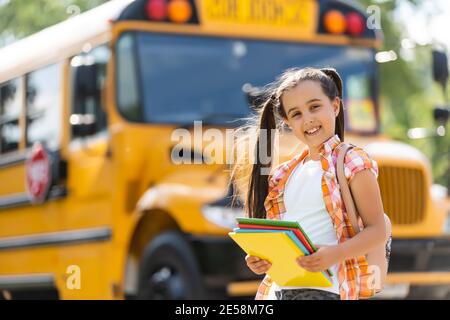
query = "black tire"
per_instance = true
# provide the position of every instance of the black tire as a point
(169, 270)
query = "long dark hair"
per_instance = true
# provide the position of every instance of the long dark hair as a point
(268, 122)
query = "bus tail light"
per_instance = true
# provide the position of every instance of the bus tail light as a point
(334, 22)
(180, 11)
(156, 10)
(355, 24)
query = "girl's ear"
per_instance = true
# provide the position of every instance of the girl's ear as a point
(286, 123)
(336, 106)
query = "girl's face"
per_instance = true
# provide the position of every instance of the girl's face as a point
(310, 113)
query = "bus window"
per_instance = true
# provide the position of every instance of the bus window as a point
(10, 105)
(44, 106)
(359, 103)
(188, 78)
(127, 88)
(89, 105)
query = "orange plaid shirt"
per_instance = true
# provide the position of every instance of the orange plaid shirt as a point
(353, 274)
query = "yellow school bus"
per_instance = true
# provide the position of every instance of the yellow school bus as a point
(92, 203)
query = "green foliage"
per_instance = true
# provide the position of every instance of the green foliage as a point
(20, 18)
(407, 91)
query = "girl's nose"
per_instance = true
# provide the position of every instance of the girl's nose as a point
(308, 120)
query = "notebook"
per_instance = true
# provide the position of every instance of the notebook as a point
(277, 223)
(288, 232)
(255, 223)
(296, 231)
(285, 271)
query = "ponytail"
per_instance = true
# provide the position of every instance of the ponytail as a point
(259, 183)
(340, 121)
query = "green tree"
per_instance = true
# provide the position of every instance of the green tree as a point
(407, 91)
(20, 18)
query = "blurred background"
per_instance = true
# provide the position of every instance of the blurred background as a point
(92, 91)
(411, 29)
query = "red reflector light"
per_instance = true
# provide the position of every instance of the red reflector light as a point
(156, 9)
(355, 23)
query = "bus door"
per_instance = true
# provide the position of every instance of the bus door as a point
(89, 181)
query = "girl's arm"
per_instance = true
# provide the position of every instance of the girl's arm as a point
(367, 198)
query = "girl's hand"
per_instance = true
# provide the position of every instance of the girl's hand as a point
(322, 259)
(257, 265)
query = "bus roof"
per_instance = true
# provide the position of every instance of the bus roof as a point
(93, 27)
(59, 41)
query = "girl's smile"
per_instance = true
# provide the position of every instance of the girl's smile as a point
(313, 131)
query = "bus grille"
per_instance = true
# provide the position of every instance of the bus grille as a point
(403, 192)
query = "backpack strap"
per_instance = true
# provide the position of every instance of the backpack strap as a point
(346, 193)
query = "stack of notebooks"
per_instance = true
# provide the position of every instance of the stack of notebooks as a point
(280, 242)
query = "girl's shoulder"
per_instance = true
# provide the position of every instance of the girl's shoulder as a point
(356, 160)
(280, 170)
(277, 172)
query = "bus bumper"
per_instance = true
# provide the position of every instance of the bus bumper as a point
(222, 262)
(418, 268)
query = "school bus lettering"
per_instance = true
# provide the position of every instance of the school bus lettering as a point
(222, 10)
(262, 10)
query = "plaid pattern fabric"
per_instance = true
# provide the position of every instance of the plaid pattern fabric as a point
(353, 274)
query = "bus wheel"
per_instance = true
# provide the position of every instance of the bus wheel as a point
(169, 270)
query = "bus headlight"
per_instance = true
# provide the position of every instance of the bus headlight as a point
(438, 192)
(222, 216)
(447, 224)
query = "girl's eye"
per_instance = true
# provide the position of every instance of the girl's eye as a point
(316, 106)
(296, 114)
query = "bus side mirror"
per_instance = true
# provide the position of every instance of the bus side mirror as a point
(441, 114)
(83, 124)
(440, 67)
(85, 88)
(440, 75)
(86, 81)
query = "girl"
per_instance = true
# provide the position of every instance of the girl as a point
(305, 188)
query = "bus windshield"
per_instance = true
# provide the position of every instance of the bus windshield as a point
(177, 79)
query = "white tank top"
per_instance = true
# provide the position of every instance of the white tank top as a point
(304, 203)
